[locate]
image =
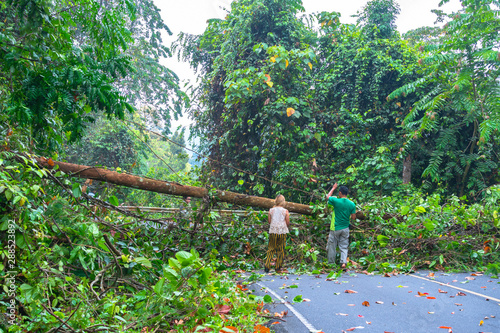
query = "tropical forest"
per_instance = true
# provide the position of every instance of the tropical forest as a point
(97, 230)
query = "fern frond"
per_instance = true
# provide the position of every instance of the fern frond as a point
(432, 169)
(488, 55)
(407, 89)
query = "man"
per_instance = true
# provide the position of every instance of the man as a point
(344, 210)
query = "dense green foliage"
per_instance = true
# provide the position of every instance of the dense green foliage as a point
(95, 269)
(292, 104)
(298, 106)
(454, 125)
(61, 62)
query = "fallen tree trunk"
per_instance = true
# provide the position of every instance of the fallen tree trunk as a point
(159, 186)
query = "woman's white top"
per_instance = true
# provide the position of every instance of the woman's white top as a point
(278, 223)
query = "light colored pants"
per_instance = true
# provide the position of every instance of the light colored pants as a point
(338, 238)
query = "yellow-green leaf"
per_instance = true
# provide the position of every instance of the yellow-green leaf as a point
(310, 65)
(290, 111)
(419, 209)
(269, 83)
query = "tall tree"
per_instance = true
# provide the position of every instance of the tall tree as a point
(298, 107)
(457, 115)
(358, 70)
(255, 92)
(61, 62)
(378, 18)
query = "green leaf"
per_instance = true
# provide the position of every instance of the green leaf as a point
(420, 209)
(114, 200)
(429, 225)
(405, 210)
(268, 299)
(202, 312)
(185, 258)
(143, 261)
(298, 299)
(170, 274)
(383, 240)
(77, 190)
(159, 286)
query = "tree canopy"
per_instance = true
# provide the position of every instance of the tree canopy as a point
(303, 101)
(62, 63)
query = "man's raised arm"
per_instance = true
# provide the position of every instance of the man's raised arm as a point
(331, 191)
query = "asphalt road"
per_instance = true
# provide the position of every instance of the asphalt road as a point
(420, 302)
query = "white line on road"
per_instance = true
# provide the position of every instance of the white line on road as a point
(304, 321)
(462, 289)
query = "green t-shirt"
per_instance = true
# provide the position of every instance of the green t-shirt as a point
(343, 208)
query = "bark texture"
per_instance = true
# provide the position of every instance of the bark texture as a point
(159, 186)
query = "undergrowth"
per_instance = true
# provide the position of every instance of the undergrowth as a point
(83, 264)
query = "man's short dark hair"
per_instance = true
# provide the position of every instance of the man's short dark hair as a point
(344, 190)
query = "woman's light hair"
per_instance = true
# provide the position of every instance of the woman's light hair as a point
(279, 201)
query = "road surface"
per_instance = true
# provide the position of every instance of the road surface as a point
(420, 302)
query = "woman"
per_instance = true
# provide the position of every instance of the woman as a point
(279, 221)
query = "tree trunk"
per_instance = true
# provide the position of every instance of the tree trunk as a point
(159, 186)
(407, 170)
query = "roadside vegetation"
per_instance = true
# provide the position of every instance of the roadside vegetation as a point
(287, 105)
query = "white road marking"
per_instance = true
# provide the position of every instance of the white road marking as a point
(304, 321)
(461, 289)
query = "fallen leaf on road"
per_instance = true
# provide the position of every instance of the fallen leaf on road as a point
(481, 323)
(442, 291)
(387, 275)
(431, 297)
(461, 294)
(261, 329)
(351, 304)
(276, 322)
(281, 315)
(458, 304)
(348, 291)
(422, 294)
(469, 278)
(430, 275)
(369, 322)
(223, 309)
(379, 302)
(341, 314)
(365, 303)
(445, 327)
(361, 316)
